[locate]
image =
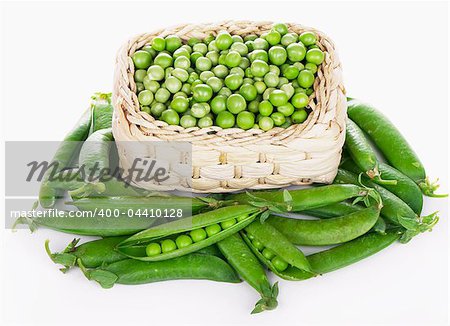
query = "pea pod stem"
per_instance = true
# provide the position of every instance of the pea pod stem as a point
(362, 153)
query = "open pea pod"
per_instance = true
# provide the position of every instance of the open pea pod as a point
(189, 234)
(277, 252)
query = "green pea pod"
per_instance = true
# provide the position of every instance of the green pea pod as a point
(395, 210)
(362, 153)
(391, 143)
(102, 111)
(333, 210)
(275, 251)
(94, 154)
(134, 272)
(65, 153)
(406, 189)
(92, 254)
(302, 199)
(328, 231)
(352, 251)
(92, 225)
(239, 255)
(240, 215)
(126, 204)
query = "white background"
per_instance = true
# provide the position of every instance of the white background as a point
(394, 55)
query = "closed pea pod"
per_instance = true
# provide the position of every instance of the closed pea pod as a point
(66, 151)
(362, 153)
(327, 231)
(391, 143)
(134, 272)
(231, 220)
(276, 251)
(406, 189)
(239, 255)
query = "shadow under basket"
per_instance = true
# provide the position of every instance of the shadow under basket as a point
(225, 160)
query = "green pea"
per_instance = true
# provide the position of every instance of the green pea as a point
(265, 108)
(203, 64)
(205, 75)
(311, 67)
(288, 89)
(179, 94)
(267, 253)
(151, 85)
(278, 98)
(273, 37)
(277, 55)
(296, 52)
(299, 65)
(260, 87)
(186, 89)
(237, 71)
(155, 73)
(200, 47)
(219, 104)
(180, 104)
(157, 109)
(287, 123)
(278, 118)
(173, 42)
(236, 103)
(173, 84)
(145, 109)
(228, 223)
(305, 78)
(248, 91)
(267, 92)
(225, 91)
(202, 93)
(249, 45)
(299, 116)
(291, 72)
(242, 217)
(139, 87)
(234, 81)
(250, 37)
(220, 71)
(240, 48)
(237, 39)
(148, 48)
(142, 59)
(259, 68)
(232, 59)
(199, 110)
(300, 100)
(289, 38)
(315, 56)
(280, 28)
(248, 81)
(279, 264)
(195, 56)
(159, 44)
(245, 63)
(139, 75)
(193, 40)
(171, 117)
(286, 109)
(275, 70)
(265, 123)
(225, 120)
(309, 91)
(209, 39)
(193, 76)
(145, 97)
(213, 56)
(181, 74)
(153, 249)
(162, 95)
(308, 38)
(183, 241)
(260, 44)
(213, 229)
(168, 72)
(282, 81)
(215, 84)
(259, 55)
(163, 60)
(224, 41)
(188, 121)
(181, 52)
(271, 79)
(198, 235)
(205, 122)
(168, 245)
(258, 244)
(245, 120)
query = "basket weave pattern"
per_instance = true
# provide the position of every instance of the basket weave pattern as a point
(233, 159)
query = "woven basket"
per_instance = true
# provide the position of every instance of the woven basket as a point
(233, 159)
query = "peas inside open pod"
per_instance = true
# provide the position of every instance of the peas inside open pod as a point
(189, 234)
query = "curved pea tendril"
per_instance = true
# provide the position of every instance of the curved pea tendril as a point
(429, 187)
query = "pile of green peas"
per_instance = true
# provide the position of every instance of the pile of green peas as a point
(279, 263)
(229, 81)
(193, 236)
